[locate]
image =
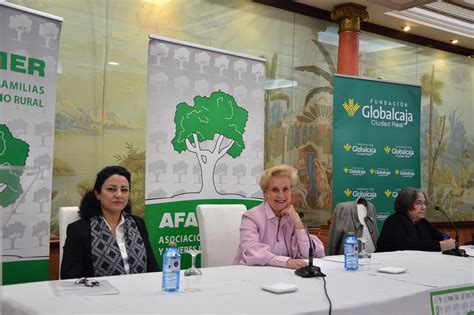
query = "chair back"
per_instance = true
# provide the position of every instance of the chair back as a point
(219, 230)
(66, 215)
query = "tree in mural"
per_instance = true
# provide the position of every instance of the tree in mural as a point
(157, 139)
(197, 172)
(14, 231)
(221, 63)
(21, 24)
(202, 59)
(157, 168)
(41, 196)
(239, 171)
(221, 171)
(49, 31)
(159, 51)
(180, 169)
(44, 130)
(211, 129)
(431, 87)
(40, 230)
(182, 55)
(241, 67)
(43, 163)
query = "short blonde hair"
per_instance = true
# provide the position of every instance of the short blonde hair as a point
(278, 171)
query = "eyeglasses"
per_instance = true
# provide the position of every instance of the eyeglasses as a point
(419, 203)
(87, 283)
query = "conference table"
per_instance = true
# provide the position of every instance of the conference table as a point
(238, 290)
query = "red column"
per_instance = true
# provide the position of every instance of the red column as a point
(348, 53)
(349, 16)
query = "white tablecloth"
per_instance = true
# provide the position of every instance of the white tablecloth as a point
(237, 289)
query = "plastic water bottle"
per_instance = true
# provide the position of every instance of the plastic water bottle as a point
(171, 268)
(351, 253)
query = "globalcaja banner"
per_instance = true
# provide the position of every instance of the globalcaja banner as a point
(29, 42)
(376, 141)
(204, 137)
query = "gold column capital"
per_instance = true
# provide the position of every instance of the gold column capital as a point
(349, 15)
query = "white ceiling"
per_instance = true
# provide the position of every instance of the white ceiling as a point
(440, 20)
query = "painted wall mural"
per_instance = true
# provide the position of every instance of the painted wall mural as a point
(102, 95)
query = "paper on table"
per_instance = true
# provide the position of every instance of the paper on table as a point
(390, 269)
(280, 288)
(70, 288)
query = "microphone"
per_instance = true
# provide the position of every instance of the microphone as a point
(456, 251)
(309, 271)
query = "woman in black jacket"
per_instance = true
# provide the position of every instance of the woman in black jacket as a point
(407, 228)
(108, 240)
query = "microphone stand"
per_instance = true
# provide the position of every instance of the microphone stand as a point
(309, 271)
(456, 251)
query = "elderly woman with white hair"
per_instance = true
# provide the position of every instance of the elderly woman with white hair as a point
(272, 233)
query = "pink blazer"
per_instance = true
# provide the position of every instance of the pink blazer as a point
(262, 242)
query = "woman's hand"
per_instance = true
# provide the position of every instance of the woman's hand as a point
(447, 244)
(291, 212)
(294, 263)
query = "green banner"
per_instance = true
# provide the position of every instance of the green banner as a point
(176, 221)
(29, 45)
(453, 300)
(204, 137)
(376, 141)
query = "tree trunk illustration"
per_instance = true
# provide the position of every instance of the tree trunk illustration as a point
(208, 160)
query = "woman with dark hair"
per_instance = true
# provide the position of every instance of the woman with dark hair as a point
(108, 240)
(407, 228)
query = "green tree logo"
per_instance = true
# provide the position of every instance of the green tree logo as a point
(13, 154)
(212, 128)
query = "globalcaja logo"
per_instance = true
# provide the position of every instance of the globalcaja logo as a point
(400, 151)
(408, 173)
(347, 192)
(387, 113)
(361, 149)
(391, 193)
(387, 149)
(355, 171)
(350, 107)
(381, 216)
(382, 172)
(367, 193)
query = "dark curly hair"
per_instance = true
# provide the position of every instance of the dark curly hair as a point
(406, 199)
(90, 205)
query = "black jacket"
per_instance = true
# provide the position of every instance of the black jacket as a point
(400, 233)
(77, 257)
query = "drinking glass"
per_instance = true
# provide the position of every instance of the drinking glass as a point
(364, 256)
(192, 275)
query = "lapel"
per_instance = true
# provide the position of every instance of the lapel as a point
(355, 218)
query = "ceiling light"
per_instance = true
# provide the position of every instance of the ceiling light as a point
(406, 28)
(454, 41)
(113, 63)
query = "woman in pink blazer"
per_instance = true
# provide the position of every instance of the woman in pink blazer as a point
(272, 233)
